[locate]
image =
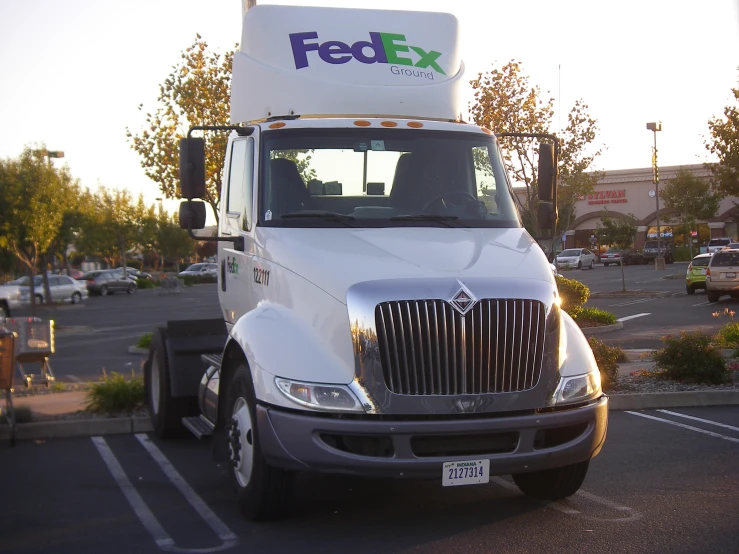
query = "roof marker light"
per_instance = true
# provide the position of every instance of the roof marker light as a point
(415, 124)
(389, 124)
(362, 123)
(277, 125)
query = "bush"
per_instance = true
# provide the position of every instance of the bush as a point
(691, 357)
(146, 283)
(728, 335)
(115, 394)
(573, 294)
(596, 315)
(190, 280)
(607, 358)
(145, 340)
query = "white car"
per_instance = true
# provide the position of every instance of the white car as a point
(577, 258)
(62, 287)
(200, 270)
(717, 243)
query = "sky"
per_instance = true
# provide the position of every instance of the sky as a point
(73, 72)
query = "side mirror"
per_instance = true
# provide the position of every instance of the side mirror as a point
(192, 215)
(192, 169)
(547, 175)
(546, 215)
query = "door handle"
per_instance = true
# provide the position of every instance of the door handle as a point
(223, 275)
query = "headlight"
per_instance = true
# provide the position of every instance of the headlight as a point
(320, 397)
(577, 388)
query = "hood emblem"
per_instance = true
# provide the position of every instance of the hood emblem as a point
(463, 301)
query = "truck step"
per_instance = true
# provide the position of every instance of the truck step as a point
(198, 426)
(212, 359)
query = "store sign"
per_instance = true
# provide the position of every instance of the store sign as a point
(607, 197)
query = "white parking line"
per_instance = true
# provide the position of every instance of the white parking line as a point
(630, 302)
(703, 304)
(700, 419)
(145, 515)
(74, 378)
(682, 425)
(628, 317)
(560, 507)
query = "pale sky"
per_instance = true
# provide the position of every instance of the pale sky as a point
(73, 72)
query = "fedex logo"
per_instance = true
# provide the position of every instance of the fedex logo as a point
(380, 48)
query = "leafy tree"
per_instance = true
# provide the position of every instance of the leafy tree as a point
(691, 198)
(619, 232)
(173, 243)
(505, 102)
(197, 92)
(724, 144)
(31, 207)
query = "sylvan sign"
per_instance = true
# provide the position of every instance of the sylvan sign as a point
(386, 48)
(607, 197)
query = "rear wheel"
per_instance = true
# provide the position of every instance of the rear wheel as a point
(4, 310)
(605, 264)
(553, 484)
(104, 290)
(713, 296)
(165, 411)
(592, 264)
(262, 491)
(689, 289)
(76, 298)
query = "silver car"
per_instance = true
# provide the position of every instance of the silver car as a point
(200, 270)
(575, 258)
(62, 288)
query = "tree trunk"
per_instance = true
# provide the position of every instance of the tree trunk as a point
(623, 274)
(45, 279)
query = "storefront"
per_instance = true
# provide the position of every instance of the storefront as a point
(632, 191)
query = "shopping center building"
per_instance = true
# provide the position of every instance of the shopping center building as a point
(632, 191)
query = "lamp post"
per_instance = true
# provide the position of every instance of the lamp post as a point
(659, 260)
(53, 154)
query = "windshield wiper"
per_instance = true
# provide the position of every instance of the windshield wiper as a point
(328, 216)
(445, 219)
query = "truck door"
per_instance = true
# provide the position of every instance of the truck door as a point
(237, 220)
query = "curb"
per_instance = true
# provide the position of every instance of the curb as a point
(77, 428)
(138, 350)
(685, 399)
(588, 331)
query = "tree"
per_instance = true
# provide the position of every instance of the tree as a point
(173, 243)
(197, 92)
(724, 144)
(619, 232)
(31, 207)
(692, 198)
(505, 102)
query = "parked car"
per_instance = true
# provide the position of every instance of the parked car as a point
(62, 288)
(695, 277)
(200, 270)
(618, 256)
(731, 246)
(137, 274)
(722, 275)
(579, 258)
(10, 299)
(653, 247)
(108, 282)
(717, 243)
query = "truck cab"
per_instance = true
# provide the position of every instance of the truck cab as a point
(385, 313)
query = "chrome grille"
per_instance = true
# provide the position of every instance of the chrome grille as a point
(429, 348)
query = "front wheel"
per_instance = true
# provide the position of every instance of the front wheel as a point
(579, 265)
(553, 484)
(76, 298)
(592, 264)
(131, 289)
(262, 491)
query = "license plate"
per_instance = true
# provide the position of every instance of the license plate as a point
(731, 275)
(703, 271)
(470, 472)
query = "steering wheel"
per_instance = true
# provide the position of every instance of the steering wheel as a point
(452, 193)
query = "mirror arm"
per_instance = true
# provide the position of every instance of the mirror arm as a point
(238, 241)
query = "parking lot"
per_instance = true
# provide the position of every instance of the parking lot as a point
(664, 482)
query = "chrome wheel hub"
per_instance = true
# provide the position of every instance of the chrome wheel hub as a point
(241, 442)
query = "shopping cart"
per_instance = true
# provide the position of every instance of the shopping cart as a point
(7, 371)
(34, 343)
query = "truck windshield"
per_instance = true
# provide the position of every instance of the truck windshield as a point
(383, 178)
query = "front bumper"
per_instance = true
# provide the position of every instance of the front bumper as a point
(414, 449)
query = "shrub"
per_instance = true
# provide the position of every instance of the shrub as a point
(607, 358)
(115, 394)
(728, 335)
(21, 413)
(145, 340)
(691, 357)
(573, 294)
(146, 283)
(596, 315)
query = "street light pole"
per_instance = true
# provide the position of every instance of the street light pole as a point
(659, 260)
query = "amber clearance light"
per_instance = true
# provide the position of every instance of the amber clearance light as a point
(389, 124)
(362, 123)
(277, 125)
(415, 124)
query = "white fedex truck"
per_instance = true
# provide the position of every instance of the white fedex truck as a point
(385, 313)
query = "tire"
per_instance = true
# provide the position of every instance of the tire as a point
(689, 289)
(592, 264)
(76, 298)
(131, 289)
(605, 264)
(579, 265)
(165, 411)
(713, 296)
(39, 299)
(4, 310)
(262, 491)
(104, 290)
(553, 484)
